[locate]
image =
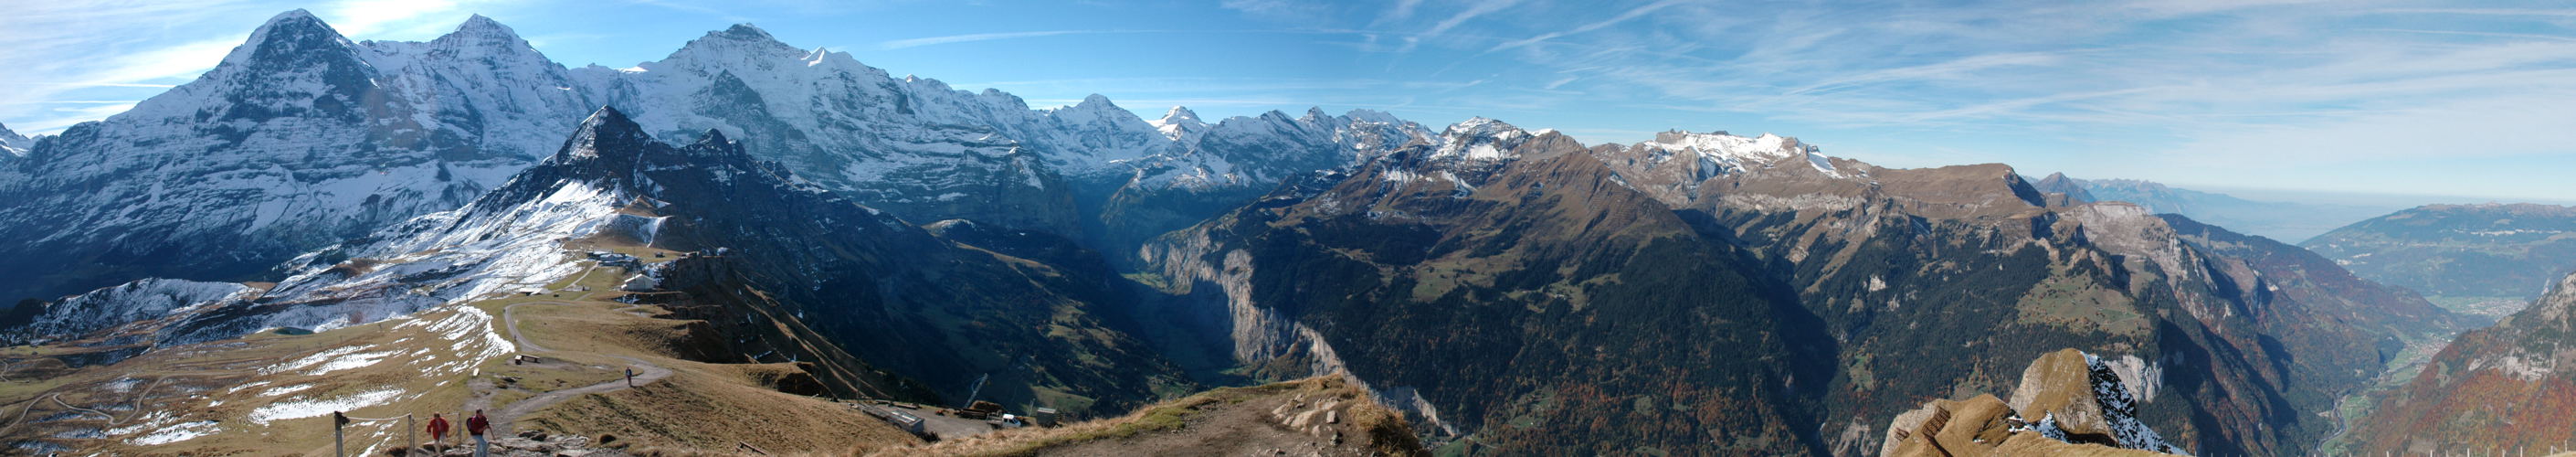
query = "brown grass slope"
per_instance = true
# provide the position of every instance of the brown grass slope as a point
(1324, 415)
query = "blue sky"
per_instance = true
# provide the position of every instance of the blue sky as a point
(2474, 100)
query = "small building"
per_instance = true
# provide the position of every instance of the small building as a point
(1043, 417)
(908, 422)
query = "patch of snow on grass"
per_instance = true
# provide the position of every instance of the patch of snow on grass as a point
(176, 433)
(310, 360)
(245, 386)
(310, 408)
(149, 421)
(350, 361)
(272, 392)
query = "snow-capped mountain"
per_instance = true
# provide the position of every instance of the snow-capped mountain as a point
(13, 145)
(301, 138)
(923, 150)
(297, 139)
(911, 145)
(1223, 165)
(1261, 150)
(109, 307)
(1182, 125)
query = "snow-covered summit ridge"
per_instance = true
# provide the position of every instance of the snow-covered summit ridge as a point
(1723, 144)
(13, 145)
(1719, 152)
(1480, 139)
(297, 29)
(1181, 125)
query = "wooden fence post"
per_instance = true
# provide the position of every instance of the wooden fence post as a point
(338, 420)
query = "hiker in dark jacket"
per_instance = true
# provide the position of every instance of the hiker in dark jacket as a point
(475, 426)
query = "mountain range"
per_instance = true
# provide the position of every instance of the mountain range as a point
(752, 223)
(2489, 258)
(316, 139)
(1853, 291)
(2287, 222)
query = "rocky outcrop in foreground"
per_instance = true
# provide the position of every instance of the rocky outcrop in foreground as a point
(2082, 405)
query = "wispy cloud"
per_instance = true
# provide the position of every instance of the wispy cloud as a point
(1622, 17)
(2171, 80)
(1292, 10)
(2484, 34)
(91, 84)
(2483, 11)
(974, 37)
(69, 102)
(1473, 10)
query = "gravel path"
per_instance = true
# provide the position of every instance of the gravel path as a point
(503, 420)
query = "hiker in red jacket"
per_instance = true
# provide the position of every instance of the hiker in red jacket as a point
(438, 430)
(475, 426)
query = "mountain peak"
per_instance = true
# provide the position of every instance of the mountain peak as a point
(482, 32)
(480, 25)
(1180, 114)
(1097, 101)
(292, 35)
(12, 144)
(1481, 125)
(292, 20)
(1481, 138)
(745, 31)
(734, 44)
(1369, 115)
(606, 134)
(1180, 124)
(293, 15)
